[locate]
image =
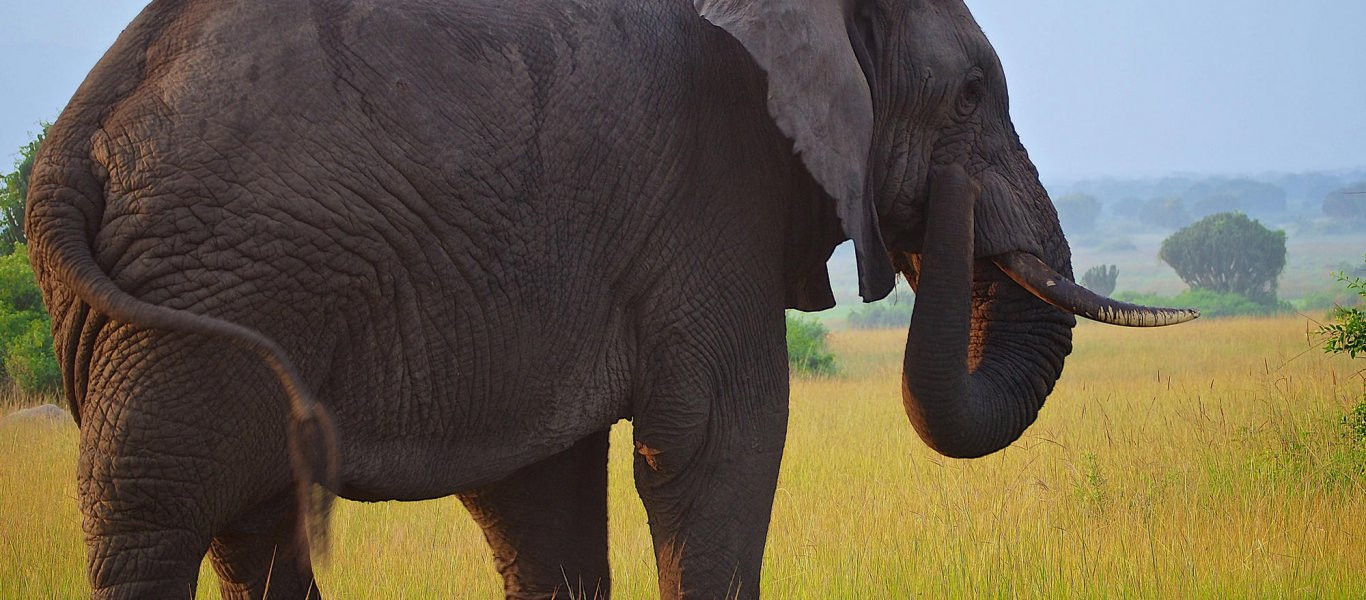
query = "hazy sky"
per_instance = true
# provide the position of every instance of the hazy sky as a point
(1098, 87)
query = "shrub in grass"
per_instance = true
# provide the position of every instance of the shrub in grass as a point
(807, 350)
(29, 361)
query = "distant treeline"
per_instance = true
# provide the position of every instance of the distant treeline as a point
(1320, 202)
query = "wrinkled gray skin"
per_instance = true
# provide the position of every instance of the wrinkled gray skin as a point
(480, 232)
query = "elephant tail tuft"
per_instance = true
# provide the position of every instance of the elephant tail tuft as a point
(313, 454)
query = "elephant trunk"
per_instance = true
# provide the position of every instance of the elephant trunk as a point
(982, 353)
(988, 336)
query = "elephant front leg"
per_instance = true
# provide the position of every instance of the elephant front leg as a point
(547, 524)
(706, 472)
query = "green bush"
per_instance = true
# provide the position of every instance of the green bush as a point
(25, 328)
(1211, 304)
(882, 315)
(29, 360)
(1347, 333)
(807, 351)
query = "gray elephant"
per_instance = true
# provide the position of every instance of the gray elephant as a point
(463, 238)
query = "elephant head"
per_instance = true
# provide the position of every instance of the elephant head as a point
(898, 108)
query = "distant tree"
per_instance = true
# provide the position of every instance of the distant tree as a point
(1228, 253)
(1307, 189)
(1078, 212)
(1348, 204)
(1101, 279)
(1165, 211)
(14, 191)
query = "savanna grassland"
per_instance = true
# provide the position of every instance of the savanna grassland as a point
(1199, 461)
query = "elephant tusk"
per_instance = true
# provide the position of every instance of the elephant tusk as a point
(1042, 281)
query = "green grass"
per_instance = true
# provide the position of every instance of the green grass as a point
(1200, 461)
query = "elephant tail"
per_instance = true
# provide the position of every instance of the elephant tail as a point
(63, 254)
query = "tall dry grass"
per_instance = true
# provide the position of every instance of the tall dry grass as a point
(1201, 461)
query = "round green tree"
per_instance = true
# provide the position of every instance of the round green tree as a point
(1228, 253)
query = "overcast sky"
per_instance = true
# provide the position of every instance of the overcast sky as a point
(1098, 87)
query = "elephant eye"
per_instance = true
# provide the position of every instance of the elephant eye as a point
(971, 95)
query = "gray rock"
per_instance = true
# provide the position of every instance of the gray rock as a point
(47, 413)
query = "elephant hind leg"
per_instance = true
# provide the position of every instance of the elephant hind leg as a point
(259, 556)
(179, 439)
(547, 524)
(146, 534)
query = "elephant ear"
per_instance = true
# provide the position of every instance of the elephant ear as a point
(818, 96)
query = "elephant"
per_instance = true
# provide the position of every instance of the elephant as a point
(412, 249)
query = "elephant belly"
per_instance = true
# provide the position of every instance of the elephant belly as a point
(477, 406)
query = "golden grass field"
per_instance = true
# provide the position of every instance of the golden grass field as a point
(1199, 461)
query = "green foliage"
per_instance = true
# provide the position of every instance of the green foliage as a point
(1077, 212)
(29, 360)
(14, 192)
(18, 289)
(882, 315)
(1210, 304)
(1228, 253)
(25, 328)
(1101, 279)
(1347, 333)
(807, 350)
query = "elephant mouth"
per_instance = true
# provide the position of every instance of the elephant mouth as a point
(1046, 284)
